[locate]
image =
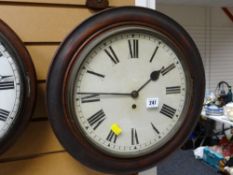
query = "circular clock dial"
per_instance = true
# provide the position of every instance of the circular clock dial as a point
(17, 86)
(125, 89)
(10, 90)
(122, 62)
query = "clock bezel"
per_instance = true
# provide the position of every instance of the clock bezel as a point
(27, 74)
(78, 146)
(76, 64)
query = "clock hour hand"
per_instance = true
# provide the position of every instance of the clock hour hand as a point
(104, 93)
(153, 77)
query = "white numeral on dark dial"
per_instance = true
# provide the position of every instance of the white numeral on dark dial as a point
(112, 55)
(4, 114)
(168, 111)
(6, 85)
(96, 119)
(133, 48)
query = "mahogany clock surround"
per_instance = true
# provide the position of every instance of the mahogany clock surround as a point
(72, 55)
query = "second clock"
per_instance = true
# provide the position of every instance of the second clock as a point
(17, 86)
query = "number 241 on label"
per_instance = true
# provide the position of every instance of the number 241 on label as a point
(152, 103)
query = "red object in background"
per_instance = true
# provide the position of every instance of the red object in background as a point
(227, 147)
(223, 141)
(228, 150)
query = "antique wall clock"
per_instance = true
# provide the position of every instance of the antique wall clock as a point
(125, 89)
(17, 86)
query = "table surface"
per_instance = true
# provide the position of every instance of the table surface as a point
(221, 118)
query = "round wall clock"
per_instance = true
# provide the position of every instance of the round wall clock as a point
(17, 86)
(125, 89)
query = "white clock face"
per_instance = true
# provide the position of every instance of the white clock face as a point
(10, 90)
(129, 92)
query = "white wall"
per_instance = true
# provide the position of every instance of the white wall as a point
(212, 31)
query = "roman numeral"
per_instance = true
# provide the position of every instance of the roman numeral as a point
(90, 98)
(134, 137)
(133, 48)
(4, 114)
(112, 137)
(164, 71)
(154, 128)
(173, 90)
(6, 85)
(168, 111)
(5, 76)
(96, 119)
(112, 55)
(94, 73)
(154, 53)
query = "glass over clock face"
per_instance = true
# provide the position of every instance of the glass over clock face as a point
(10, 89)
(125, 89)
(128, 91)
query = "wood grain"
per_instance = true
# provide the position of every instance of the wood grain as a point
(51, 164)
(71, 2)
(40, 109)
(37, 139)
(42, 24)
(42, 56)
(65, 2)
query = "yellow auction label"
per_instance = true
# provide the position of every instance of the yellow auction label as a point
(116, 129)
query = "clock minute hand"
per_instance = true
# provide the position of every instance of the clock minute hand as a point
(153, 77)
(104, 93)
